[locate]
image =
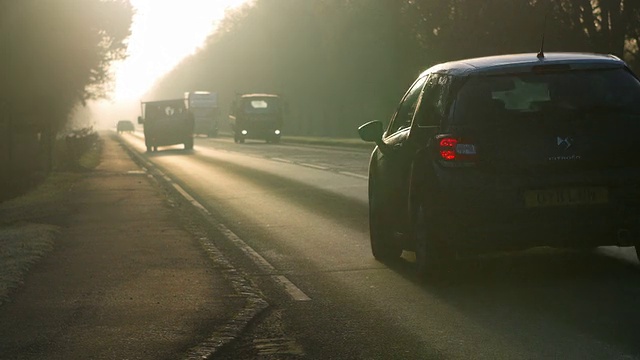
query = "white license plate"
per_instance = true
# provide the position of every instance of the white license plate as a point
(566, 196)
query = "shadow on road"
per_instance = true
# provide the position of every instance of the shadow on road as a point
(169, 152)
(523, 294)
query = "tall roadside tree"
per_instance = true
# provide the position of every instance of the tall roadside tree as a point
(452, 29)
(338, 63)
(343, 62)
(54, 54)
(58, 52)
(610, 26)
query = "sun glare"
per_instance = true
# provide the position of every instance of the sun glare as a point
(163, 33)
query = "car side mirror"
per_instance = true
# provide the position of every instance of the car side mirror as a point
(140, 120)
(371, 131)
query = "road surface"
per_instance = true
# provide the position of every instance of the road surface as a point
(295, 221)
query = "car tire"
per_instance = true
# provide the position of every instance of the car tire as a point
(381, 235)
(432, 256)
(638, 251)
(188, 145)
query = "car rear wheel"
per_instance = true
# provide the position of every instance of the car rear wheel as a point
(432, 257)
(381, 234)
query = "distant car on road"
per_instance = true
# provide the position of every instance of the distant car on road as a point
(505, 153)
(125, 126)
(257, 116)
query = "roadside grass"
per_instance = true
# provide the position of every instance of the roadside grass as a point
(21, 246)
(30, 223)
(52, 191)
(43, 201)
(90, 159)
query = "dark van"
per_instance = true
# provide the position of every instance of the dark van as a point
(256, 116)
(166, 122)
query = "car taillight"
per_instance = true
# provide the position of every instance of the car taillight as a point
(456, 149)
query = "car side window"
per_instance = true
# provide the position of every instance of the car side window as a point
(407, 107)
(434, 104)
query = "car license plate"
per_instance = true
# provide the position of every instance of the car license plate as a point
(566, 196)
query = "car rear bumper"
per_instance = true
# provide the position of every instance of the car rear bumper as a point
(258, 129)
(575, 229)
(494, 214)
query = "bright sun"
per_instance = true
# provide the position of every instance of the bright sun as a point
(164, 32)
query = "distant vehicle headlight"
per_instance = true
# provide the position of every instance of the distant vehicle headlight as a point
(277, 132)
(244, 132)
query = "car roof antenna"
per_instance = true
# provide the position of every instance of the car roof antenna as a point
(544, 30)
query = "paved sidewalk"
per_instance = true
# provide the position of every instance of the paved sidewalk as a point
(125, 280)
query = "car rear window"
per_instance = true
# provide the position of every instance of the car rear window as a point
(261, 105)
(485, 99)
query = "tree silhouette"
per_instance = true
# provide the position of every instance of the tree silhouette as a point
(343, 62)
(54, 55)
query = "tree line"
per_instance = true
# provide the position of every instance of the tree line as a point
(340, 63)
(54, 56)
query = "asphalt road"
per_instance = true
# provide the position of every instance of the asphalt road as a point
(296, 223)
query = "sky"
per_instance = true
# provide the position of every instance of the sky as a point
(163, 33)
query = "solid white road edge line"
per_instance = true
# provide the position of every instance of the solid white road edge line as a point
(359, 176)
(291, 289)
(190, 198)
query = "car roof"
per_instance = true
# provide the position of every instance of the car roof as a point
(524, 62)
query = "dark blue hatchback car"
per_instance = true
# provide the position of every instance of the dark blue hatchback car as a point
(508, 152)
